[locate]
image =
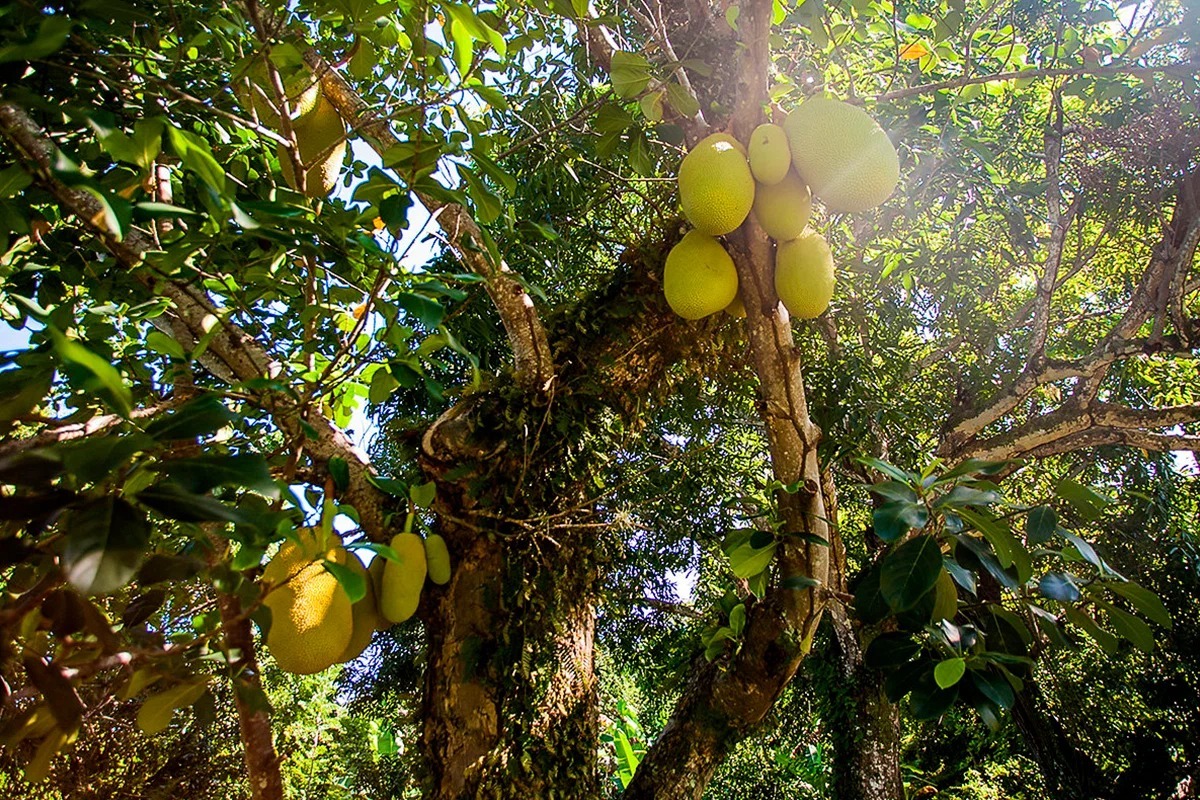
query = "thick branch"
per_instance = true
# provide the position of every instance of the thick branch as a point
(722, 704)
(254, 719)
(531, 349)
(232, 355)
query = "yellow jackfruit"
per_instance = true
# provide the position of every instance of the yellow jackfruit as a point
(437, 558)
(804, 275)
(770, 154)
(321, 138)
(842, 154)
(716, 188)
(253, 89)
(403, 579)
(311, 614)
(699, 277)
(783, 210)
(737, 308)
(378, 564)
(365, 615)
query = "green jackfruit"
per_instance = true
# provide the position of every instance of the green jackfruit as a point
(403, 579)
(437, 558)
(783, 210)
(716, 188)
(804, 275)
(842, 154)
(321, 139)
(365, 614)
(699, 277)
(311, 614)
(770, 154)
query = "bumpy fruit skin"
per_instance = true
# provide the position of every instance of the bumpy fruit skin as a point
(804, 275)
(321, 131)
(699, 277)
(842, 154)
(737, 308)
(716, 188)
(770, 154)
(365, 615)
(311, 618)
(783, 210)
(403, 579)
(437, 559)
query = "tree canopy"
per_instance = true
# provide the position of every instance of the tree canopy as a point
(379, 268)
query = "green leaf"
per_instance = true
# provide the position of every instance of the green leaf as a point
(93, 371)
(683, 101)
(423, 494)
(488, 207)
(51, 36)
(894, 490)
(159, 342)
(910, 571)
(630, 73)
(91, 460)
(197, 156)
(1040, 524)
(427, 312)
(892, 520)
(388, 485)
(1145, 601)
(1059, 587)
(1129, 627)
(887, 469)
(869, 605)
(200, 417)
(652, 105)
(1106, 640)
(737, 619)
(799, 583)
(949, 672)
(945, 604)
(199, 475)
(352, 581)
(13, 180)
(339, 470)
(890, 650)
(175, 502)
(1083, 499)
(105, 544)
(994, 687)
(1009, 550)
(744, 559)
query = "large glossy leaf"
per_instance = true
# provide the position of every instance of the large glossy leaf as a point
(891, 650)
(1147, 603)
(105, 544)
(910, 571)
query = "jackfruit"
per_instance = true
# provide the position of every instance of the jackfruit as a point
(804, 275)
(783, 210)
(403, 579)
(321, 139)
(437, 558)
(737, 308)
(770, 154)
(842, 154)
(716, 188)
(311, 615)
(254, 90)
(376, 572)
(699, 277)
(365, 614)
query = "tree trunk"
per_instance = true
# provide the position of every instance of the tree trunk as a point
(863, 723)
(1070, 773)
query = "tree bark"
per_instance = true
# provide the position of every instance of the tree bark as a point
(863, 723)
(1069, 772)
(254, 717)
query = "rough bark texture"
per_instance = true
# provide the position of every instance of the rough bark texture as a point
(254, 719)
(1070, 773)
(723, 702)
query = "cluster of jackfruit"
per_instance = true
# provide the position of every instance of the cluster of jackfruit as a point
(825, 148)
(313, 623)
(320, 131)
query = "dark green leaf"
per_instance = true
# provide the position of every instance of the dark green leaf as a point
(1145, 601)
(93, 459)
(869, 605)
(51, 35)
(1130, 627)
(887, 469)
(196, 156)
(428, 312)
(1040, 524)
(630, 73)
(893, 520)
(339, 470)
(105, 544)
(1106, 640)
(199, 475)
(994, 687)
(891, 650)
(1084, 499)
(175, 502)
(351, 580)
(910, 571)
(1059, 587)
(200, 417)
(95, 373)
